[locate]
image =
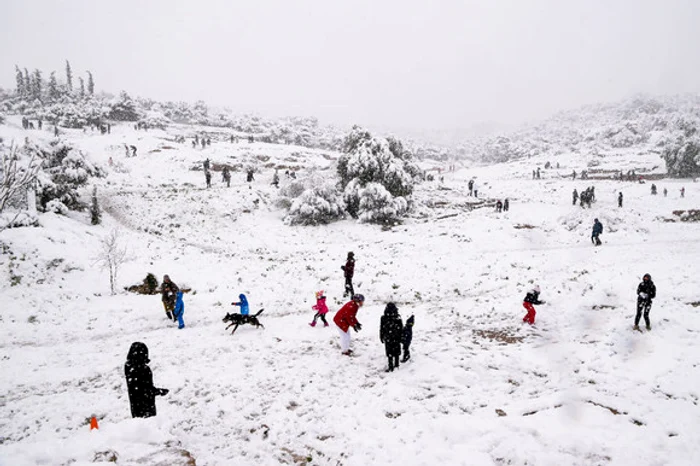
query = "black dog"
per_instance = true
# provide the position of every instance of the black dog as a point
(240, 319)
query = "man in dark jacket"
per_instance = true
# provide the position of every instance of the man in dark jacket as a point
(532, 297)
(646, 291)
(597, 231)
(575, 196)
(390, 329)
(619, 199)
(406, 337)
(168, 292)
(349, 271)
(139, 381)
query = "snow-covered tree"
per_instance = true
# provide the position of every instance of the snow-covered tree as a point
(18, 173)
(90, 84)
(64, 172)
(682, 151)
(123, 108)
(368, 160)
(19, 79)
(111, 256)
(69, 77)
(95, 211)
(81, 89)
(52, 88)
(36, 85)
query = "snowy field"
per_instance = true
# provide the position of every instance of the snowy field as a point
(578, 388)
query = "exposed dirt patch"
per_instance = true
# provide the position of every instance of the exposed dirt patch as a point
(603, 306)
(503, 336)
(525, 226)
(692, 215)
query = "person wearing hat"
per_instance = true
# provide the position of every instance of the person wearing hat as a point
(345, 318)
(646, 291)
(349, 270)
(531, 298)
(168, 292)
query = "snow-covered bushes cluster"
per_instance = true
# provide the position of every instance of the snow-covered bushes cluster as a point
(319, 204)
(64, 171)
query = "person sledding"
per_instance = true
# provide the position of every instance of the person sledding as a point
(531, 298)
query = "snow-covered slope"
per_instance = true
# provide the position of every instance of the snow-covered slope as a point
(579, 388)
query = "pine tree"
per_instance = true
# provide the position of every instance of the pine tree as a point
(82, 88)
(19, 77)
(91, 84)
(52, 87)
(27, 84)
(95, 212)
(69, 77)
(36, 85)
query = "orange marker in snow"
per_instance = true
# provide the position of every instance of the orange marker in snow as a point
(93, 423)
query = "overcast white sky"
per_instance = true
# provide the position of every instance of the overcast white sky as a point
(407, 63)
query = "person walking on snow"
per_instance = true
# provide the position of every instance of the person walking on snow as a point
(406, 337)
(619, 200)
(320, 308)
(168, 290)
(683, 191)
(345, 318)
(575, 196)
(139, 382)
(390, 329)
(531, 298)
(179, 310)
(349, 272)
(646, 291)
(597, 231)
(243, 303)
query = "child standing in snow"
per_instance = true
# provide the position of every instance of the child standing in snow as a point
(406, 337)
(532, 297)
(320, 308)
(179, 310)
(243, 303)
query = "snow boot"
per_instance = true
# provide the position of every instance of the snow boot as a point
(648, 326)
(636, 327)
(313, 324)
(325, 324)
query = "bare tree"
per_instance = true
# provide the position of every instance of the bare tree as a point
(111, 256)
(15, 178)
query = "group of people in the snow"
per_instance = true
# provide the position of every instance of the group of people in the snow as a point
(646, 291)
(392, 332)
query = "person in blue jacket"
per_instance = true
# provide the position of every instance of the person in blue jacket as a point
(179, 310)
(243, 303)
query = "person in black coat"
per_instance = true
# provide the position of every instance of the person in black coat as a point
(646, 291)
(349, 272)
(139, 380)
(390, 330)
(406, 337)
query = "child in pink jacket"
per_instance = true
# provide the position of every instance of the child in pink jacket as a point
(320, 308)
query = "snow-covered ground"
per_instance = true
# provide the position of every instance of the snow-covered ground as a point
(578, 388)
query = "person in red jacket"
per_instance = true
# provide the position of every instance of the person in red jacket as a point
(345, 318)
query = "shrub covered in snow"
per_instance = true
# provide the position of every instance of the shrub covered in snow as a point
(319, 204)
(368, 161)
(681, 150)
(64, 172)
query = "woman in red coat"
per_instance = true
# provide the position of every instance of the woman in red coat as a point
(346, 318)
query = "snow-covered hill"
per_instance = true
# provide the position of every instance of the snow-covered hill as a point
(578, 388)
